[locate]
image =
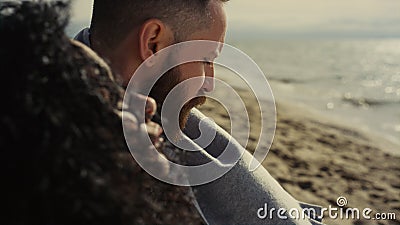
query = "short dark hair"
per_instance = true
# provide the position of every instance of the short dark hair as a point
(119, 17)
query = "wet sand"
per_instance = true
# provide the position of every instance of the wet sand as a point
(318, 160)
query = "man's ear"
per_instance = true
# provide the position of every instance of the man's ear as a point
(154, 35)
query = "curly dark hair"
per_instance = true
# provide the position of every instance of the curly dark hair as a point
(64, 158)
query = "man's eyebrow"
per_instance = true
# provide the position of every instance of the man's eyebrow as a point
(214, 54)
(219, 49)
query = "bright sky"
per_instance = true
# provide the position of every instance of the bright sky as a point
(276, 18)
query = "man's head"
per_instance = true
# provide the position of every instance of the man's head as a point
(112, 21)
(130, 32)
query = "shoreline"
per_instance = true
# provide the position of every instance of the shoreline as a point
(318, 160)
(351, 118)
(385, 142)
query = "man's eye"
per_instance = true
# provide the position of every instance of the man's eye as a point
(207, 62)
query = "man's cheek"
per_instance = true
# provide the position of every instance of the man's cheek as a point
(193, 69)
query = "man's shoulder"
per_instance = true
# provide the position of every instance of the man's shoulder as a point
(83, 36)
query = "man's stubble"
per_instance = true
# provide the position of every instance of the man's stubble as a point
(164, 85)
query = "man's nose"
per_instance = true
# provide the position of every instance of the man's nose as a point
(208, 84)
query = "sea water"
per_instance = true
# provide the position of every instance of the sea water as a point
(355, 81)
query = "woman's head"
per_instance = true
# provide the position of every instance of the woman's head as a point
(64, 157)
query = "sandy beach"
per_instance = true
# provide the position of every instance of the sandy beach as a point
(318, 160)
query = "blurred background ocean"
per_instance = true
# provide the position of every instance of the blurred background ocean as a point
(356, 81)
(340, 58)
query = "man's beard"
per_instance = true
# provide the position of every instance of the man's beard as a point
(164, 85)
